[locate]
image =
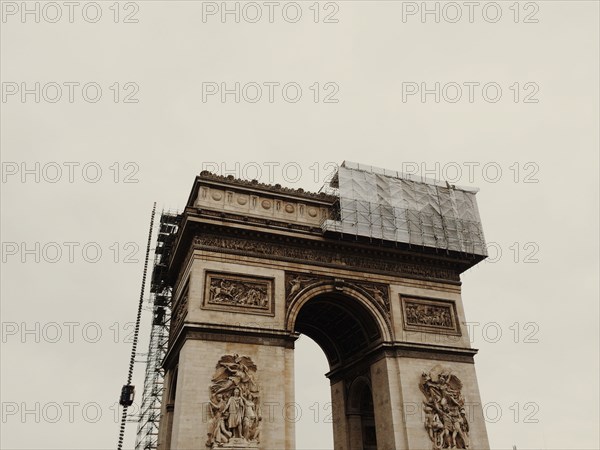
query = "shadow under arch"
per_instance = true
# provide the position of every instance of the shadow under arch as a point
(359, 387)
(342, 320)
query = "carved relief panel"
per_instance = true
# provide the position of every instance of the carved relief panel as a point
(234, 403)
(446, 419)
(429, 315)
(239, 293)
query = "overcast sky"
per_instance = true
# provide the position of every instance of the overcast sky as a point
(131, 104)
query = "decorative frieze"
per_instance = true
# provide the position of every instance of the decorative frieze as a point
(429, 315)
(446, 419)
(231, 199)
(321, 255)
(240, 293)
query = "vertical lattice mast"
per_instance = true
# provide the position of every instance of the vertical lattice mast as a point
(160, 304)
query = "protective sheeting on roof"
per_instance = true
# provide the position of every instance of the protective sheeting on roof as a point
(392, 206)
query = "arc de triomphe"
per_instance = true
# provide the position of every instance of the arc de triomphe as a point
(370, 270)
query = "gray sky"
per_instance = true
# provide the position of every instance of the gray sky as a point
(517, 116)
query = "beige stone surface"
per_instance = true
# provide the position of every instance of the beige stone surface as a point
(259, 204)
(340, 424)
(388, 404)
(197, 362)
(426, 290)
(410, 371)
(397, 398)
(198, 313)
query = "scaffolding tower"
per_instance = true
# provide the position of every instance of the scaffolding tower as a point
(160, 305)
(381, 204)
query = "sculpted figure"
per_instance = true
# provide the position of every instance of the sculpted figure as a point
(378, 295)
(252, 419)
(296, 284)
(217, 433)
(445, 418)
(238, 374)
(235, 408)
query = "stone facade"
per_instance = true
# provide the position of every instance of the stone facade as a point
(249, 278)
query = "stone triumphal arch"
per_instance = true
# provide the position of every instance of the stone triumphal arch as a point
(369, 268)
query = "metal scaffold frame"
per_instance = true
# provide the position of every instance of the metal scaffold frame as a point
(160, 305)
(390, 206)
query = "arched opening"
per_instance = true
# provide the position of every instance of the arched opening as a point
(367, 420)
(346, 330)
(361, 413)
(341, 325)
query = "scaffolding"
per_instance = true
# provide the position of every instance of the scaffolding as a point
(160, 305)
(390, 206)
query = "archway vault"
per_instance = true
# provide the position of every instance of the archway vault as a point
(342, 320)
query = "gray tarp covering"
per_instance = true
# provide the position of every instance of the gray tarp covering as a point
(392, 206)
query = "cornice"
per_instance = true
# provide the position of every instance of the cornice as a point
(271, 188)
